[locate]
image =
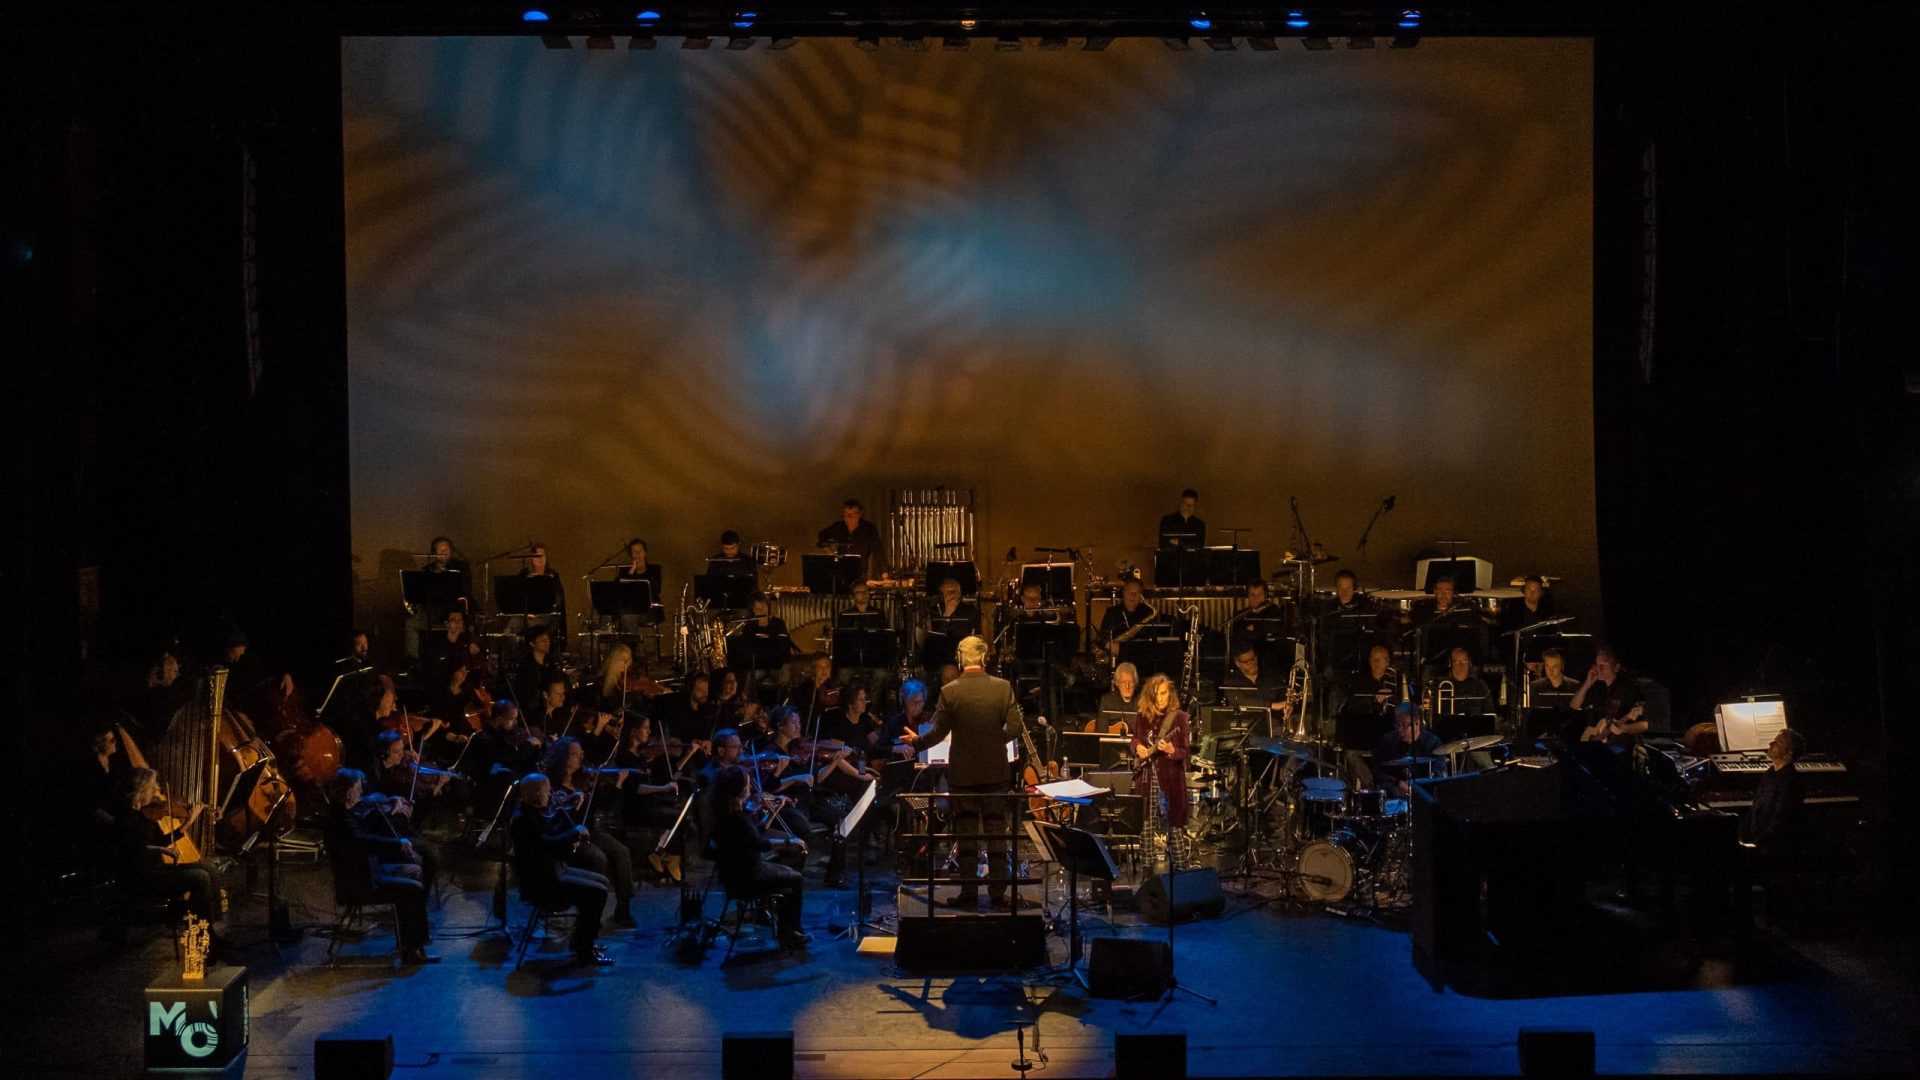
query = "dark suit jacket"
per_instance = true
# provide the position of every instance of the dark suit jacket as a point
(980, 712)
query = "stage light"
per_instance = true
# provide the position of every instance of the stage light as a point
(1297, 20)
(599, 41)
(1200, 22)
(1409, 20)
(647, 17)
(696, 41)
(1360, 41)
(968, 24)
(743, 20)
(533, 15)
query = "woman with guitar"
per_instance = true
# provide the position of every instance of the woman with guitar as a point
(153, 854)
(1160, 733)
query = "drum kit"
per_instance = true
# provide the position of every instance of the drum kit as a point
(1329, 842)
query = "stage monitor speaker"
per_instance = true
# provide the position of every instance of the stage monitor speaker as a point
(964, 944)
(1181, 897)
(1127, 968)
(1555, 1053)
(352, 1059)
(757, 1055)
(1145, 1056)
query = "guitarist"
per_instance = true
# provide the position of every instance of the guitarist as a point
(1116, 624)
(980, 712)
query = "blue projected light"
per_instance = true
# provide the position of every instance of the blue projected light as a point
(1200, 24)
(743, 20)
(1410, 20)
(1297, 20)
(533, 15)
(647, 17)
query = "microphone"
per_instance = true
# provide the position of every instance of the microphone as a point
(1388, 504)
(1013, 554)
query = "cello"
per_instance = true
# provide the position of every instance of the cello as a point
(309, 749)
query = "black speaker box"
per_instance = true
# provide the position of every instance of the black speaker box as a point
(1181, 897)
(971, 944)
(1124, 968)
(1555, 1053)
(1143, 1056)
(352, 1059)
(757, 1055)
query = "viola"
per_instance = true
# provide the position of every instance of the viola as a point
(636, 682)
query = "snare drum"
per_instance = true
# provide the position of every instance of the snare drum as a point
(1322, 800)
(1367, 803)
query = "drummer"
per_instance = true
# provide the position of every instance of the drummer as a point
(1408, 739)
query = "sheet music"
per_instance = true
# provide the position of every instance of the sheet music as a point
(1749, 725)
(1071, 789)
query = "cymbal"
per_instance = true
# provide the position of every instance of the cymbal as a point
(1416, 759)
(1468, 745)
(1546, 579)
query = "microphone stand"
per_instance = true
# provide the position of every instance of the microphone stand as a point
(500, 884)
(1385, 505)
(603, 562)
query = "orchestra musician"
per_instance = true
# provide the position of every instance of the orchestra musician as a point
(535, 567)
(638, 568)
(144, 858)
(1183, 530)
(1536, 604)
(739, 846)
(1550, 697)
(650, 795)
(765, 646)
(952, 619)
(1470, 696)
(548, 713)
(544, 842)
(421, 624)
(454, 642)
(1131, 611)
(1160, 733)
(603, 854)
(728, 561)
(859, 614)
(1122, 699)
(503, 751)
(685, 713)
(787, 773)
(1260, 620)
(376, 860)
(1773, 823)
(1612, 703)
(852, 535)
(822, 690)
(1372, 694)
(913, 716)
(535, 665)
(1257, 684)
(1409, 738)
(980, 713)
(853, 724)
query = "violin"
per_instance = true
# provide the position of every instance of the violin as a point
(636, 682)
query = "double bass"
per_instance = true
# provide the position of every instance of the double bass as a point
(307, 750)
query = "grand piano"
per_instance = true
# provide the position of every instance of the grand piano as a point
(1516, 873)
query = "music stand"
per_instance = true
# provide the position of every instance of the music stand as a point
(1153, 656)
(628, 596)
(848, 825)
(1081, 852)
(863, 647)
(1452, 727)
(1037, 642)
(1094, 750)
(433, 590)
(831, 575)
(1179, 569)
(1055, 581)
(1351, 636)
(728, 592)
(1230, 565)
(516, 594)
(965, 573)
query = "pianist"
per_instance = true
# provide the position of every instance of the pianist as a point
(1772, 823)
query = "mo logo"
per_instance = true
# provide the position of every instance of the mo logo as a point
(197, 1039)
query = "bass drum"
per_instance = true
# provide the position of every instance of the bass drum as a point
(1329, 868)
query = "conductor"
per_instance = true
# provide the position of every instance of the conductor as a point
(980, 713)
